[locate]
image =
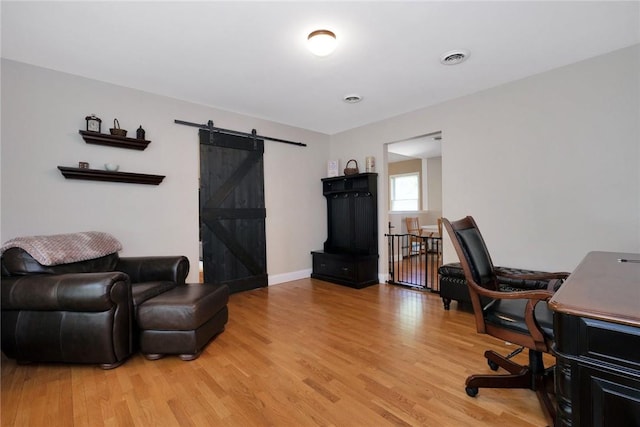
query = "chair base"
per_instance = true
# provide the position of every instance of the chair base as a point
(534, 377)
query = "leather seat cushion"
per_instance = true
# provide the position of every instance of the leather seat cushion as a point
(509, 313)
(183, 308)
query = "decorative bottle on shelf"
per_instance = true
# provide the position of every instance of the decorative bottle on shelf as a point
(140, 133)
(370, 164)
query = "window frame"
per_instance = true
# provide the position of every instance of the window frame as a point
(392, 192)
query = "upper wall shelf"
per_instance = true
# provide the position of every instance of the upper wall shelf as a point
(113, 141)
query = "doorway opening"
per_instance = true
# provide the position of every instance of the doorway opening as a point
(414, 194)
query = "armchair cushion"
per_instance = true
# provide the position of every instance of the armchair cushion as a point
(147, 290)
(153, 275)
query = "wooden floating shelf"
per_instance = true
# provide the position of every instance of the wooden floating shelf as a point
(101, 175)
(113, 141)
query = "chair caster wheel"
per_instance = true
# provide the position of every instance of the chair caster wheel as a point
(493, 365)
(471, 391)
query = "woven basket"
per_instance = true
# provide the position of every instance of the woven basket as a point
(115, 130)
(351, 171)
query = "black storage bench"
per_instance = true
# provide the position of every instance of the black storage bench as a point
(453, 285)
(183, 320)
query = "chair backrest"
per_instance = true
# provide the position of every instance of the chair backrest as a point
(472, 252)
(413, 225)
(17, 262)
(476, 263)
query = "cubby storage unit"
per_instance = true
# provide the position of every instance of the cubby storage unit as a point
(350, 255)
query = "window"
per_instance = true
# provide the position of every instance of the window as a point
(405, 192)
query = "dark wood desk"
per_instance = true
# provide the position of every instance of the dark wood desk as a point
(597, 342)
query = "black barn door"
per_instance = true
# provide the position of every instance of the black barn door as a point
(232, 210)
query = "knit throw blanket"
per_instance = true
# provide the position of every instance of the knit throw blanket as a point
(65, 248)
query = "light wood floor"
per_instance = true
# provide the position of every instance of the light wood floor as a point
(303, 353)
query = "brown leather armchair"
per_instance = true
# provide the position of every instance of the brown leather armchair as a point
(82, 312)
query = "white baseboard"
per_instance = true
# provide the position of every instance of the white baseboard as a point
(274, 279)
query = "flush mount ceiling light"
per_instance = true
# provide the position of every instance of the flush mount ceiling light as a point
(352, 99)
(321, 42)
(454, 57)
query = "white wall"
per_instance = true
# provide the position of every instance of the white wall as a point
(434, 184)
(548, 165)
(42, 111)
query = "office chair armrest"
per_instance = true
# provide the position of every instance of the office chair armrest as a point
(536, 295)
(539, 339)
(533, 298)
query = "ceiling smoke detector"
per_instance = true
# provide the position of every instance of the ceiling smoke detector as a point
(352, 99)
(454, 57)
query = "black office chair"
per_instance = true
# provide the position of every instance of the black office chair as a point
(519, 317)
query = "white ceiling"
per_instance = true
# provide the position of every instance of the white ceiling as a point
(421, 147)
(250, 57)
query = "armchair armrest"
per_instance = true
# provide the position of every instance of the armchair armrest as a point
(80, 292)
(155, 268)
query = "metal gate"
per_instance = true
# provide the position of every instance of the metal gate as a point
(414, 261)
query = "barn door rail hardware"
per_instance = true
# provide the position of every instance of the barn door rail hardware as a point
(209, 126)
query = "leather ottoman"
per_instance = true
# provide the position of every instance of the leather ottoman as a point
(182, 320)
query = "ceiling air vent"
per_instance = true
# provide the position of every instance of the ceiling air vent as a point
(352, 99)
(454, 57)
